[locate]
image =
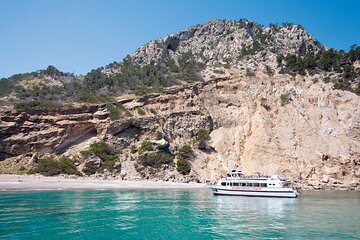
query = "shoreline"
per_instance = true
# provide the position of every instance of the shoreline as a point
(41, 183)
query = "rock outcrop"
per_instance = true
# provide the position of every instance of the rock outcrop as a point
(292, 126)
(235, 98)
(242, 44)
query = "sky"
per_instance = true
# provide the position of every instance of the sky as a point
(79, 35)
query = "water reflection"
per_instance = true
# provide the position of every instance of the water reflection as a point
(271, 206)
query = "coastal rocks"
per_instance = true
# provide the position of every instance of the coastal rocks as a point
(312, 139)
(47, 131)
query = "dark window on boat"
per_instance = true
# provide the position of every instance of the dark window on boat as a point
(223, 184)
(236, 184)
(242, 184)
(249, 184)
(256, 184)
(263, 185)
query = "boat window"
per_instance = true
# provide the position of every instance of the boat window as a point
(249, 184)
(242, 184)
(256, 184)
(223, 184)
(236, 184)
(263, 185)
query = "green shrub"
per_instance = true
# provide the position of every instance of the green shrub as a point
(184, 152)
(38, 105)
(269, 70)
(52, 71)
(201, 139)
(285, 99)
(153, 111)
(133, 149)
(145, 146)
(49, 166)
(90, 169)
(183, 155)
(138, 167)
(159, 135)
(183, 166)
(114, 112)
(155, 160)
(342, 84)
(141, 111)
(202, 135)
(124, 110)
(106, 153)
(22, 169)
(357, 90)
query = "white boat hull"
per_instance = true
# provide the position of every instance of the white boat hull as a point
(251, 192)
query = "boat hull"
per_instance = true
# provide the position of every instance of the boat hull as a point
(281, 193)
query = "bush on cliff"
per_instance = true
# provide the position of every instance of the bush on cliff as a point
(38, 105)
(49, 166)
(201, 139)
(156, 160)
(145, 146)
(103, 151)
(285, 99)
(183, 166)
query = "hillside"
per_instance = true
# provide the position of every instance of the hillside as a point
(189, 56)
(191, 106)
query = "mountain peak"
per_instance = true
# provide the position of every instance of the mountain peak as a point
(231, 42)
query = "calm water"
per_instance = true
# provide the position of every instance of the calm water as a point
(176, 214)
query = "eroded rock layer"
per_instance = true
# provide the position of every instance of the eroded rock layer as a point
(295, 127)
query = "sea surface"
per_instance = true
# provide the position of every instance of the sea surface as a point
(176, 214)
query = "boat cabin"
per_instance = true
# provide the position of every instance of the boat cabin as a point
(237, 179)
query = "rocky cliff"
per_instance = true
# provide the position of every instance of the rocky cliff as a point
(243, 44)
(247, 107)
(311, 136)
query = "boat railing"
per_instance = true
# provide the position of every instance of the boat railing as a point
(244, 177)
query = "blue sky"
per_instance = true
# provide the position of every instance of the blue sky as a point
(80, 35)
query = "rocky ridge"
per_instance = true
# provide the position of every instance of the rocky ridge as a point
(242, 44)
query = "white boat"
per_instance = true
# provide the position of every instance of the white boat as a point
(236, 184)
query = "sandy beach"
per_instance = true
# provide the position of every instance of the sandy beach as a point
(36, 182)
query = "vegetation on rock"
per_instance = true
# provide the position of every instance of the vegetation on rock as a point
(183, 166)
(285, 99)
(145, 146)
(156, 160)
(39, 105)
(201, 138)
(330, 60)
(50, 166)
(103, 151)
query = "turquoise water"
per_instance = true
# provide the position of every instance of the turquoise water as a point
(176, 214)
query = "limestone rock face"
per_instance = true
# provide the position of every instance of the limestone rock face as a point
(225, 42)
(290, 126)
(27, 132)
